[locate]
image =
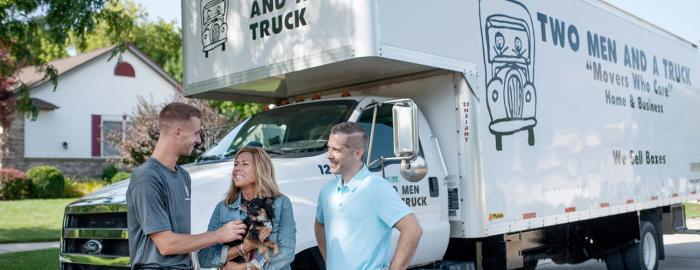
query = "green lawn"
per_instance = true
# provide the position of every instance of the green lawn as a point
(37, 259)
(31, 220)
(692, 210)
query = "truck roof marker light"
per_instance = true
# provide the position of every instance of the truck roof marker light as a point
(675, 195)
(530, 215)
(654, 198)
(345, 93)
(604, 205)
(629, 201)
(316, 96)
(570, 209)
(284, 102)
(693, 192)
(299, 99)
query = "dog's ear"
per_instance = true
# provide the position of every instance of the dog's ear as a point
(269, 201)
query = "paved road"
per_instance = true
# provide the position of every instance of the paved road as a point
(7, 248)
(682, 253)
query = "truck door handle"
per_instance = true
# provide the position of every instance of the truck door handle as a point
(434, 188)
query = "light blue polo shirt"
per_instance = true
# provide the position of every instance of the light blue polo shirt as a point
(358, 219)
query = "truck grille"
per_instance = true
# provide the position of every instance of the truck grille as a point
(95, 237)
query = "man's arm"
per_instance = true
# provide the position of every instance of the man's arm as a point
(320, 231)
(411, 232)
(170, 243)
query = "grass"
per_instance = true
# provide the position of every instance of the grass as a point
(692, 210)
(31, 220)
(37, 259)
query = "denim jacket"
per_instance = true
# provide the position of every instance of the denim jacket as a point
(283, 233)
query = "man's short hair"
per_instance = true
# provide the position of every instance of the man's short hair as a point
(358, 138)
(175, 112)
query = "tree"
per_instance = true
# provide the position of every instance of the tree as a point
(142, 130)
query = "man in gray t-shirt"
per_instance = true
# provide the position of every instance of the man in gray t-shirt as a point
(158, 198)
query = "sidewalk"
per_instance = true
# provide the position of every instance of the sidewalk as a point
(17, 247)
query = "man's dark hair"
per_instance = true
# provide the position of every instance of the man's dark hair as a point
(358, 138)
(177, 111)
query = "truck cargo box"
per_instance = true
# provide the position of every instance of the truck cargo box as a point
(565, 110)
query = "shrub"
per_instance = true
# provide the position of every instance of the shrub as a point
(120, 176)
(14, 184)
(75, 189)
(109, 172)
(47, 181)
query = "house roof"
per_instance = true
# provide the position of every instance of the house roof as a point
(43, 104)
(32, 77)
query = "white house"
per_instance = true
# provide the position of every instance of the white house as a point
(93, 97)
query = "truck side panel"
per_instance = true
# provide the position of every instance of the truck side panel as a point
(579, 119)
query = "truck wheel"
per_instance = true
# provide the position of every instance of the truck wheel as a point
(310, 259)
(644, 254)
(530, 265)
(614, 261)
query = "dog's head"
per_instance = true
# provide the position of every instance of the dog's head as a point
(260, 209)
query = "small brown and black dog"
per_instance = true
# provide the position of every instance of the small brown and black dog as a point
(260, 213)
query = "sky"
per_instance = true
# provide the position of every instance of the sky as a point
(680, 17)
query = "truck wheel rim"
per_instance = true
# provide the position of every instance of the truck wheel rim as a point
(649, 251)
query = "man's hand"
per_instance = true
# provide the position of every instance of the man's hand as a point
(231, 231)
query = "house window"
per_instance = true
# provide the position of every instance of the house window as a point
(125, 69)
(110, 126)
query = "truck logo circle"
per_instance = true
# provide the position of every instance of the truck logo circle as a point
(92, 247)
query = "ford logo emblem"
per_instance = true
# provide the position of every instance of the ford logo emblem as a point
(92, 247)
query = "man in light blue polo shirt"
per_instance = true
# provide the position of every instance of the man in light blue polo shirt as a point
(357, 211)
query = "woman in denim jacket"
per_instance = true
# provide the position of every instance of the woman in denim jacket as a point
(253, 177)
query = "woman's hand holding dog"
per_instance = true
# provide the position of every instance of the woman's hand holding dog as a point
(234, 230)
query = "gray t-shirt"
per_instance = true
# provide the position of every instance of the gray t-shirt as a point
(158, 199)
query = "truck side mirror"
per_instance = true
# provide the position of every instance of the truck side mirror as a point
(406, 147)
(405, 116)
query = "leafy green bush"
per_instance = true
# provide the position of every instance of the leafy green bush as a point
(14, 184)
(74, 189)
(47, 182)
(109, 172)
(120, 176)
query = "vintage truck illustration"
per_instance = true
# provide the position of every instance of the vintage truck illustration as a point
(509, 60)
(213, 25)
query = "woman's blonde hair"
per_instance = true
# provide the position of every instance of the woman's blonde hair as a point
(266, 183)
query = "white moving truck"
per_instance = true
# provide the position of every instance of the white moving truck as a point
(515, 130)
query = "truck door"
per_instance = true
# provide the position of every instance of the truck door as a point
(423, 196)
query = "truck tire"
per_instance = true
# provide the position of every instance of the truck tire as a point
(530, 265)
(645, 253)
(614, 261)
(310, 259)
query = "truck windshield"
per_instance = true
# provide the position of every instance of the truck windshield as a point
(292, 131)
